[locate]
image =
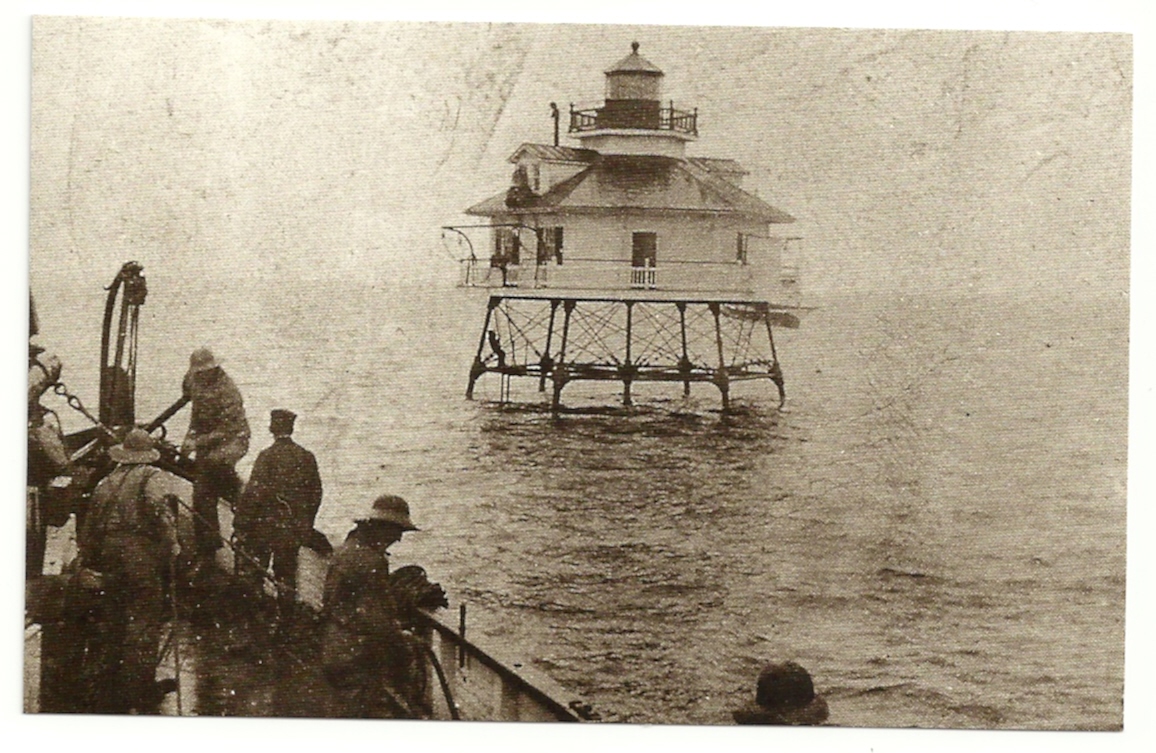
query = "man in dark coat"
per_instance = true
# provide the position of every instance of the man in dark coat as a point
(218, 436)
(127, 543)
(275, 514)
(366, 654)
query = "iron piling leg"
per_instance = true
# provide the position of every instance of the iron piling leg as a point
(684, 362)
(546, 364)
(627, 366)
(479, 367)
(721, 375)
(776, 370)
(559, 371)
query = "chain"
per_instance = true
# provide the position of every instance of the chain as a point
(75, 403)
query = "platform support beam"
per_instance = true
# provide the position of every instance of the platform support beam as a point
(479, 367)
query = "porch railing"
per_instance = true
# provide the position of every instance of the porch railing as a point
(605, 275)
(644, 277)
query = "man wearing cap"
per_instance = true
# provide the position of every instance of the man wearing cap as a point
(785, 695)
(219, 436)
(365, 655)
(129, 537)
(274, 515)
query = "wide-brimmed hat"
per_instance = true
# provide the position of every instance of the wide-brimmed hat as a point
(137, 448)
(785, 695)
(202, 359)
(389, 508)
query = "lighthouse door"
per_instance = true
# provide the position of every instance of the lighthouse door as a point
(643, 260)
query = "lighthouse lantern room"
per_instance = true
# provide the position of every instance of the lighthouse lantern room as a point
(624, 259)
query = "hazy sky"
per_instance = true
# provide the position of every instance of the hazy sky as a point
(914, 160)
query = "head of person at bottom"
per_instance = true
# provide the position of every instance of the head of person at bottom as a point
(784, 695)
(388, 519)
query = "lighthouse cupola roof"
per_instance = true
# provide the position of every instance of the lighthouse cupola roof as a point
(633, 119)
(634, 64)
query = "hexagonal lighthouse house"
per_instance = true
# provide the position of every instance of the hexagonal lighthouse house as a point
(627, 260)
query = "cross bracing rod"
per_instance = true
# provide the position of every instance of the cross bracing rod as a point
(523, 333)
(662, 324)
(597, 325)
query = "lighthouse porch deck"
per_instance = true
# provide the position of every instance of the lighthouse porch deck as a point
(703, 281)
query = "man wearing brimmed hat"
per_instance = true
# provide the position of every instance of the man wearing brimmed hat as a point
(218, 436)
(275, 514)
(785, 695)
(363, 644)
(129, 536)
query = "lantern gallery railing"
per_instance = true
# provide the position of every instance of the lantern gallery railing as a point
(641, 114)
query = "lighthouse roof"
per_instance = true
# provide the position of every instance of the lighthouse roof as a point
(721, 167)
(634, 63)
(626, 182)
(548, 153)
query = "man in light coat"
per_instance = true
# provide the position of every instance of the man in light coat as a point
(218, 437)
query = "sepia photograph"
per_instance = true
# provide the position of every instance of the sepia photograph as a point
(643, 373)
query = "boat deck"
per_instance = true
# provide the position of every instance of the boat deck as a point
(227, 664)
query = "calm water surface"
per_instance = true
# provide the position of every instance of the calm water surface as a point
(934, 525)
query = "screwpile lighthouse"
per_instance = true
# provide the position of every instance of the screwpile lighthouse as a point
(627, 260)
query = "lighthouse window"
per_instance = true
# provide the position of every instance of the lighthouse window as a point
(743, 246)
(556, 233)
(550, 245)
(644, 252)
